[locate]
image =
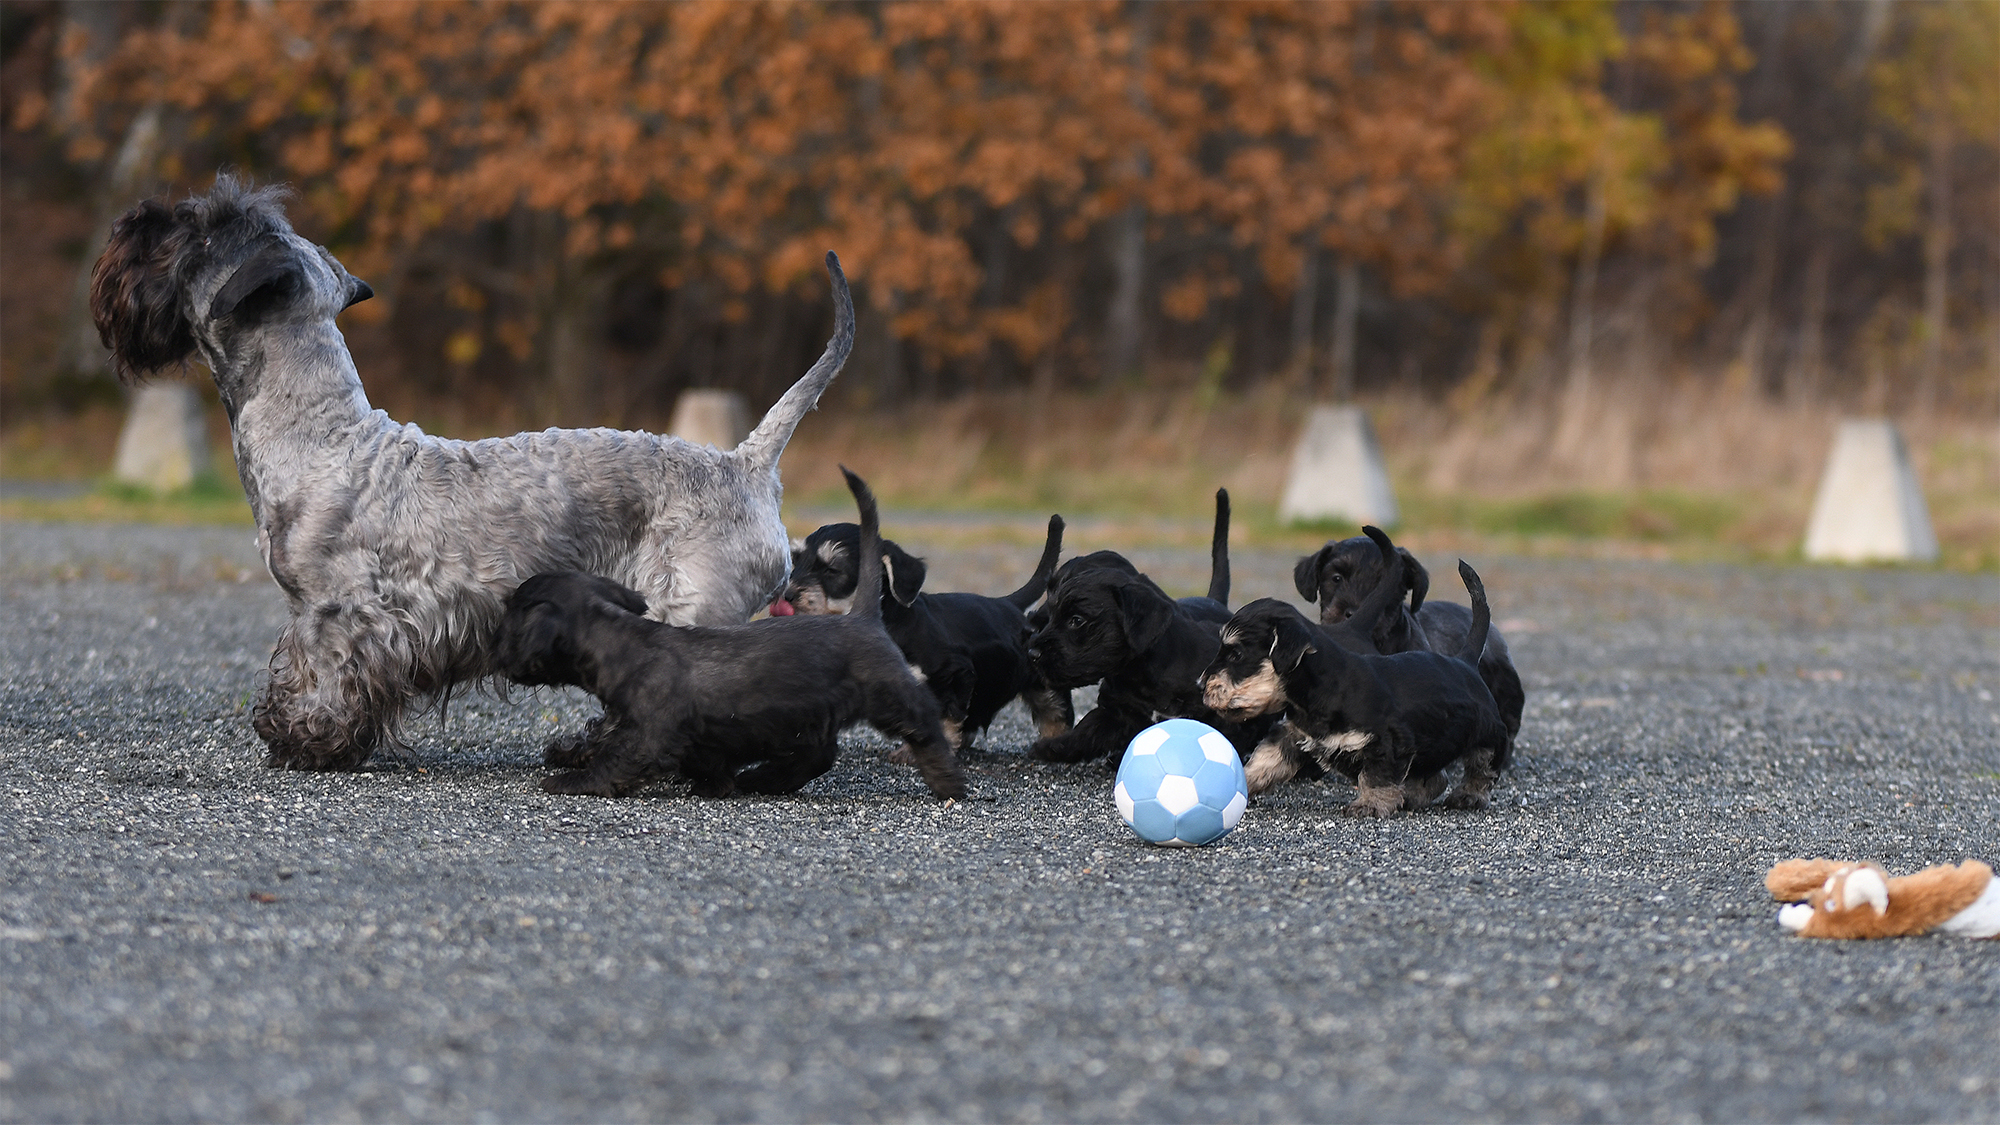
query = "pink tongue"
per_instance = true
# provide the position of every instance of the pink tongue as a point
(781, 608)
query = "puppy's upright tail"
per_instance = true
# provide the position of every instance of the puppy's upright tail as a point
(766, 443)
(1386, 593)
(1475, 638)
(868, 584)
(1029, 593)
(1218, 550)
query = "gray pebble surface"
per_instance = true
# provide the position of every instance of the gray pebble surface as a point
(187, 936)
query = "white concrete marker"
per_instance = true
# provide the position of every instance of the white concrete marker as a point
(164, 444)
(1337, 471)
(1869, 505)
(716, 418)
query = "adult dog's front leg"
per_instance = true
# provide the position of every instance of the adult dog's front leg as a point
(340, 677)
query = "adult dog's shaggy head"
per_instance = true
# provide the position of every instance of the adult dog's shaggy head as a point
(1264, 641)
(826, 569)
(538, 636)
(189, 281)
(1339, 577)
(1099, 621)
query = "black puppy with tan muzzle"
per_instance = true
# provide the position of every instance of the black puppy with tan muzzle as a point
(1144, 650)
(970, 650)
(1341, 575)
(1392, 724)
(756, 707)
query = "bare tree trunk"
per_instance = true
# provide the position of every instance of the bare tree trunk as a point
(1346, 312)
(1808, 369)
(1305, 296)
(1123, 327)
(889, 367)
(1583, 294)
(1755, 345)
(1937, 261)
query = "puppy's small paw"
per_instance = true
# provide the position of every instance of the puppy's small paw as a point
(901, 756)
(567, 751)
(1367, 810)
(1468, 801)
(949, 789)
(1055, 750)
(578, 783)
(713, 788)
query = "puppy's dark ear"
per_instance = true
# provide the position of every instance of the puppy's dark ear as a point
(624, 597)
(1290, 643)
(902, 572)
(1305, 576)
(135, 297)
(1146, 611)
(267, 282)
(1416, 580)
(536, 636)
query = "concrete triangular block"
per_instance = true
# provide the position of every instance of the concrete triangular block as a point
(1337, 471)
(717, 418)
(1869, 505)
(164, 444)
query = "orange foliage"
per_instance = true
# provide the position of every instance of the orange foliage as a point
(733, 143)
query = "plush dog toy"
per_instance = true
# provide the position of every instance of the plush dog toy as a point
(1830, 899)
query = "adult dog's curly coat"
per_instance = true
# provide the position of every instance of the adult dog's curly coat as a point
(396, 549)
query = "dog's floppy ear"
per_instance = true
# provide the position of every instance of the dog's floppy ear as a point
(1290, 642)
(1416, 580)
(536, 635)
(1305, 576)
(902, 572)
(1146, 611)
(135, 297)
(271, 279)
(624, 597)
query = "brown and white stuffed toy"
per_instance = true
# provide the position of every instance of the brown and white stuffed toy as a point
(1830, 899)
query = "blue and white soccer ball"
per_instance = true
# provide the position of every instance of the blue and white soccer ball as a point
(1181, 784)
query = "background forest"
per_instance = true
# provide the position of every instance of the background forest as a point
(1106, 253)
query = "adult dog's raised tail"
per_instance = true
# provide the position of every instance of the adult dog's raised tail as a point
(1031, 591)
(869, 568)
(766, 443)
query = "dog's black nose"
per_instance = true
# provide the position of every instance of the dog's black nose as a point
(361, 292)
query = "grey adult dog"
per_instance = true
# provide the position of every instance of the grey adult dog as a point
(396, 550)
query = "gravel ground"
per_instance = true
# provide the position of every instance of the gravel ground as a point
(187, 936)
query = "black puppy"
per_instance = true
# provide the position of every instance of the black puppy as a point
(1341, 575)
(1390, 723)
(1212, 608)
(970, 650)
(1112, 624)
(769, 698)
